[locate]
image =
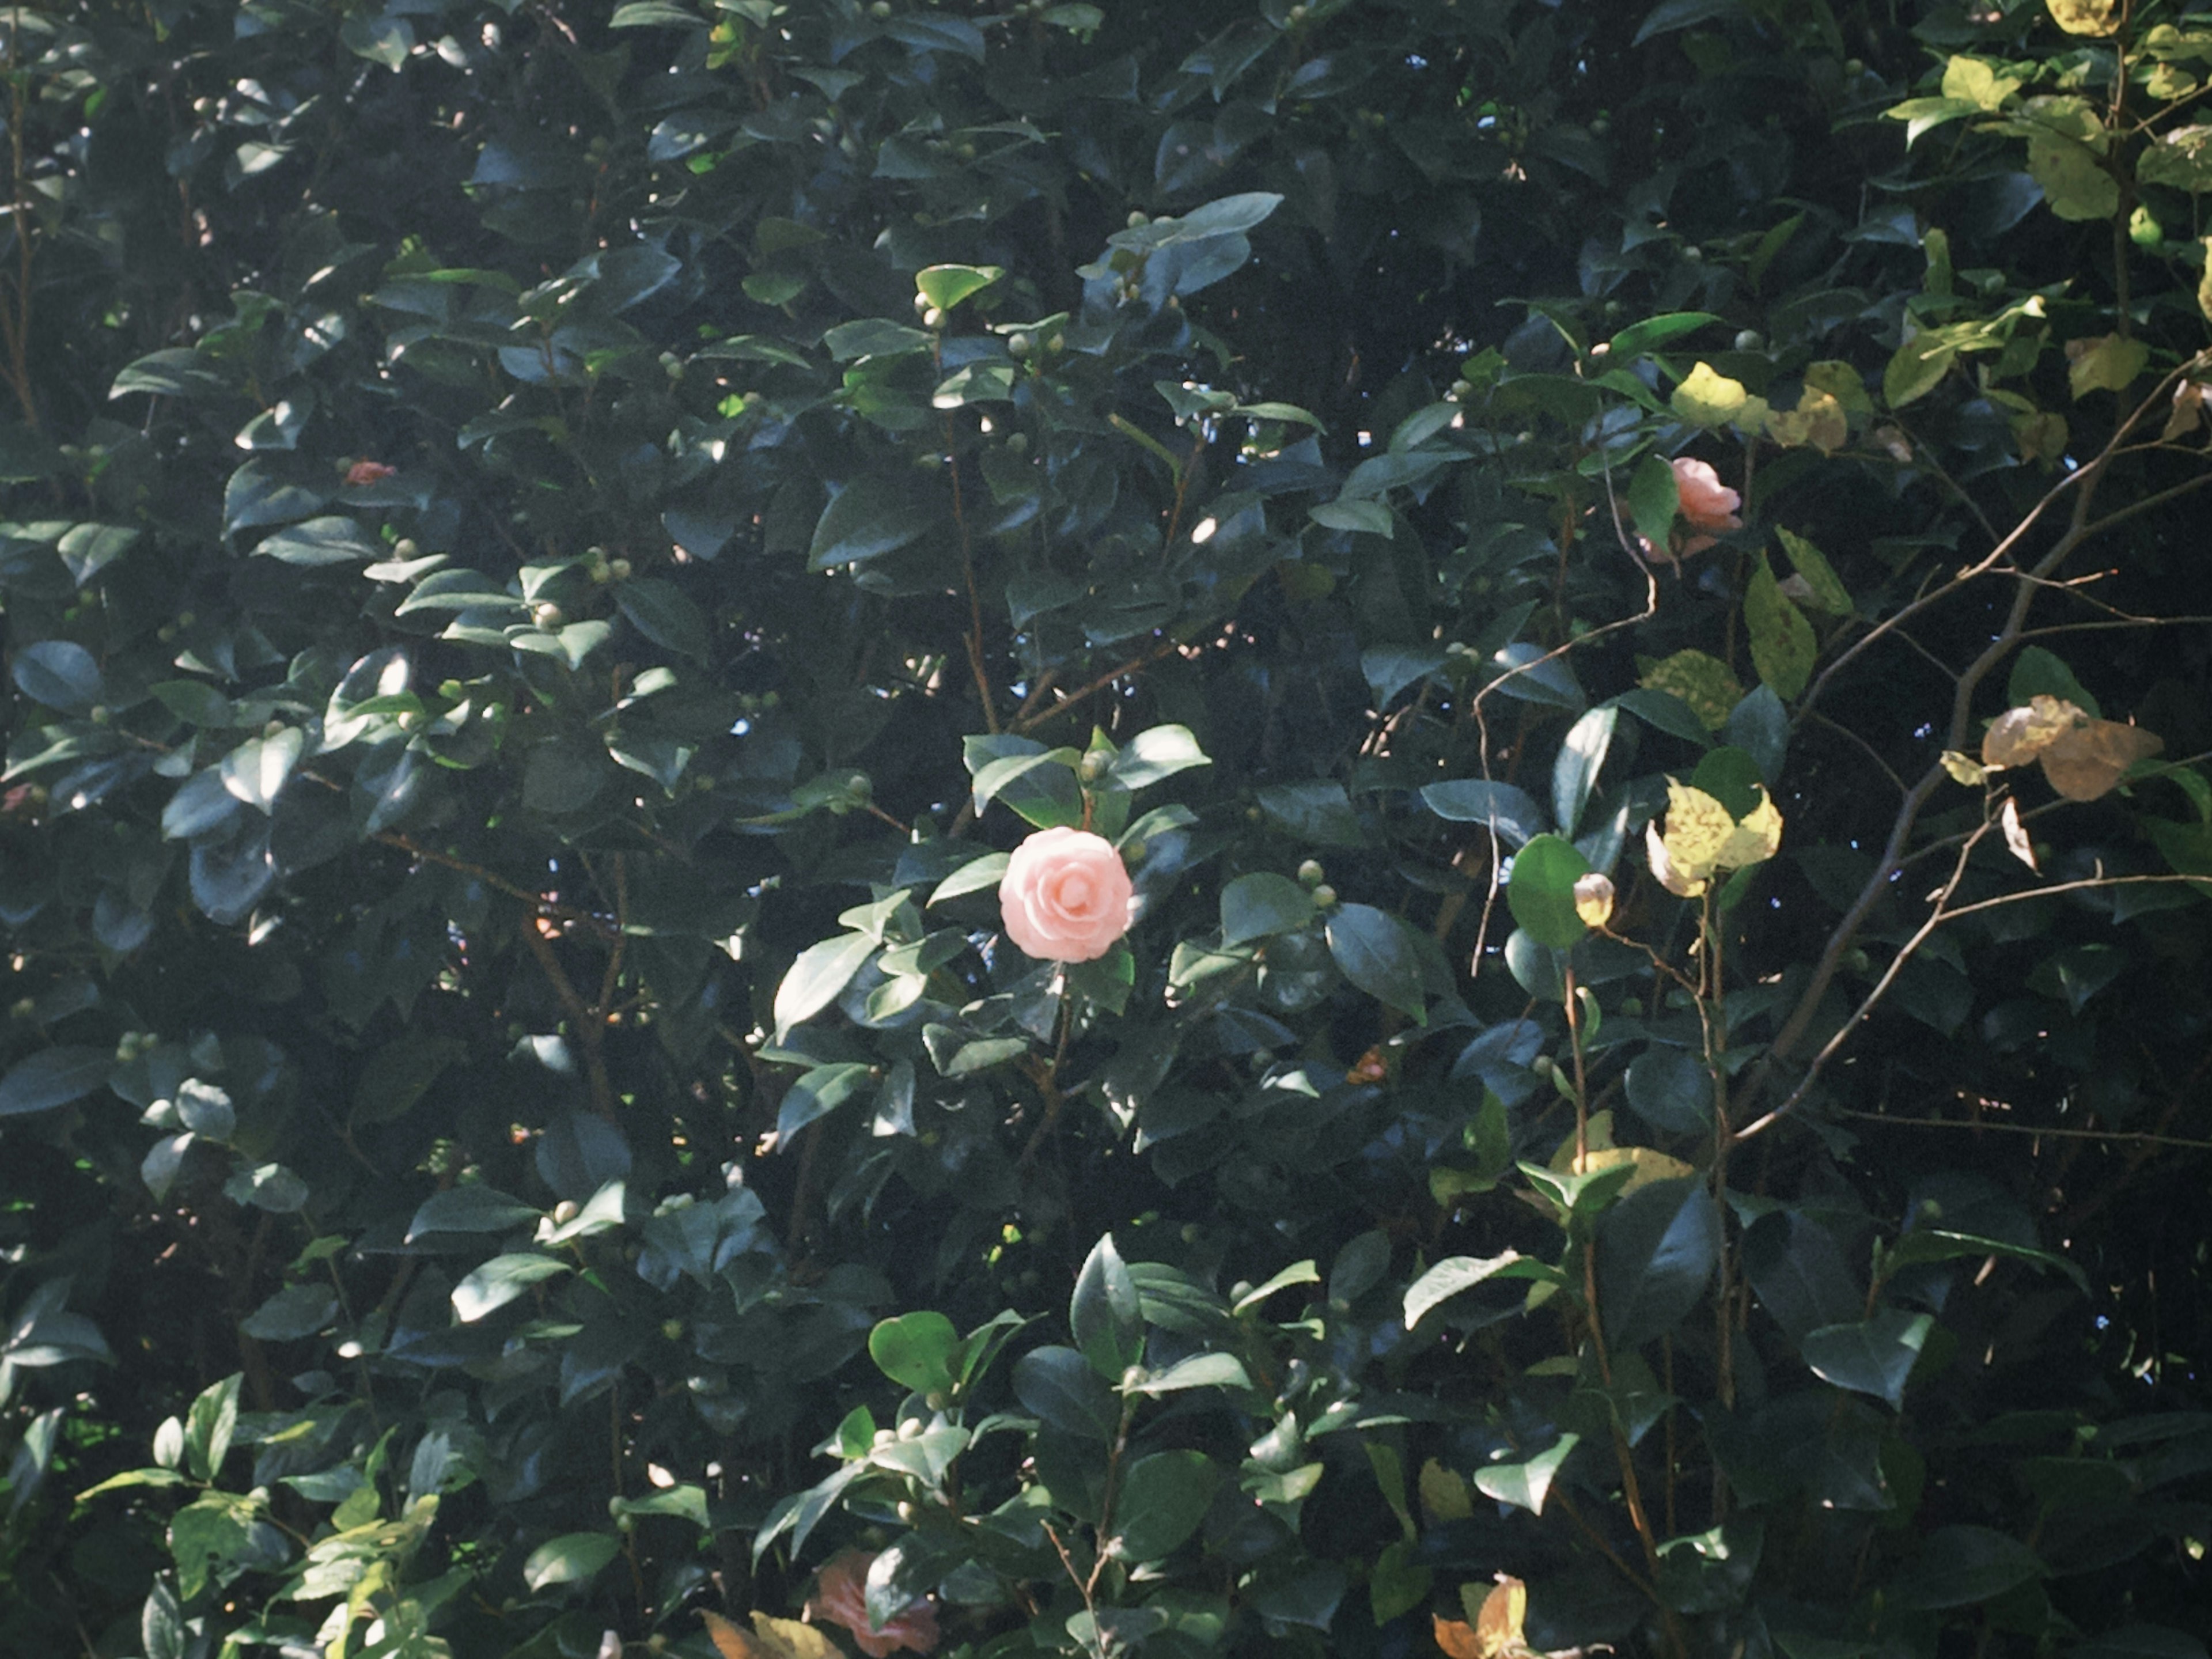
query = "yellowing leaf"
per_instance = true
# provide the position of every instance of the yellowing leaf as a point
(1663, 869)
(2019, 735)
(1708, 399)
(1497, 1616)
(1964, 769)
(1698, 828)
(1783, 647)
(772, 1638)
(1649, 1165)
(1705, 683)
(1756, 838)
(2107, 363)
(1444, 1493)
(1978, 83)
(2085, 16)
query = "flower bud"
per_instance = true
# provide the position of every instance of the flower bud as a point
(1324, 896)
(933, 317)
(1593, 900)
(1094, 765)
(546, 615)
(564, 1212)
(1310, 874)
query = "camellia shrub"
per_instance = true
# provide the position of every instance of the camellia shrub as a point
(1356, 827)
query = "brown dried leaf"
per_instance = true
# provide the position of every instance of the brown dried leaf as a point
(1456, 1639)
(2089, 761)
(1497, 1624)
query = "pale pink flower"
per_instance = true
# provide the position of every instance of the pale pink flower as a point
(1707, 503)
(1066, 895)
(840, 1596)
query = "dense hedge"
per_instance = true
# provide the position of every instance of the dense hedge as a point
(1626, 582)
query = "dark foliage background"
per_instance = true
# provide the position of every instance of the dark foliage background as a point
(539, 536)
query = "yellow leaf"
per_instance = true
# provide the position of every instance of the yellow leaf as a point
(1978, 83)
(2085, 16)
(2019, 735)
(1498, 1621)
(1708, 399)
(1964, 769)
(1756, 838)
(1698, 828)
(1662, 865)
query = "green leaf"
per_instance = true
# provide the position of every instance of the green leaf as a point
(470, 1207)
(1200, 1370)
(1574, 773)
(1526, 1486)
(383, 39)
(1650, 333)
(1915, 370)
(323, 541)
(660, 611)
(59, 673)
(1163, 1499)
(1926, 1244)
(1513, 813)
(816, 978)
(653, 13)
(1958, 1567)
(1671, 1089)
(2141, 1642)
(1655, 497)
(1360, 517)
(946, 286)
(210, 1425)
(871, 516)
(1826, 590)
(1657, 1251)
(295, 1312)
(818, 1092)
(2037, 673)
(1156, 752)
(1372, 951)
(53, 1076)
(1541, 891)
(1261, 905)
(1873, 1355)
(1058, 1385)
(1456, 1273)
(573, 1557)
(1103, 1316)
(1782, 646)
(973, 876)
(499, 1281)
(916, 1350)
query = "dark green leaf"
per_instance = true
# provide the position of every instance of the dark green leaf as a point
(1656, 1251)
(53, 1076)
(1163, 1499)
(1261, 905)
(1372, 951)
(1541, 891)
(1873, 1355)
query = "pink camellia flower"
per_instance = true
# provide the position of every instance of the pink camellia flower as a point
(368, 472)
(1066, 896)
(1708, 505)
(841, 1595)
